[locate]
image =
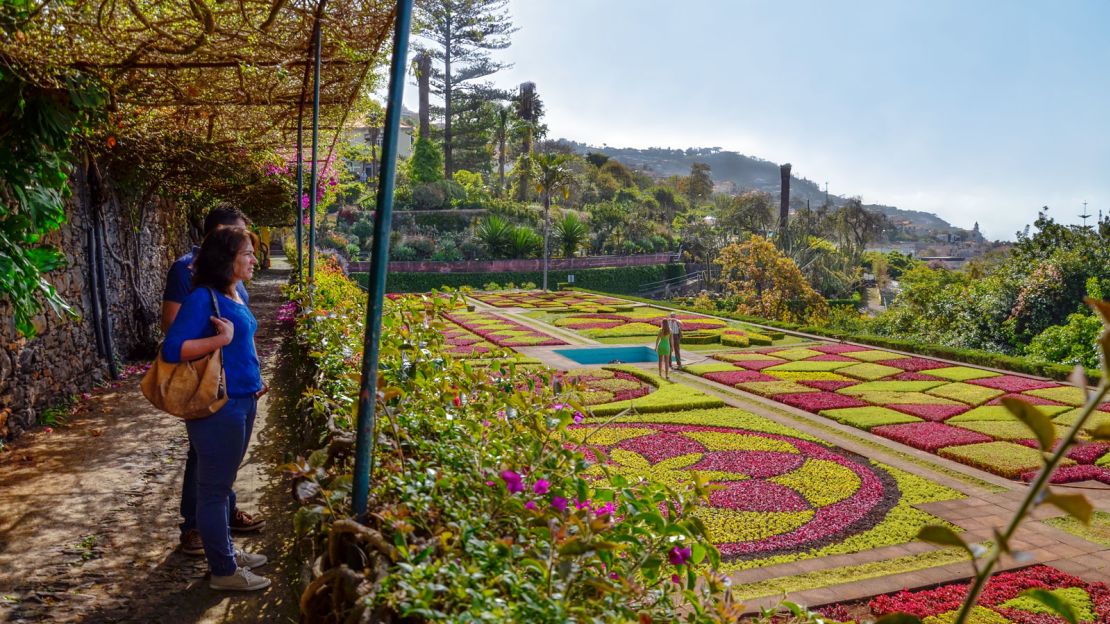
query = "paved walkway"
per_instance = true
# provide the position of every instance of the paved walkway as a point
(88, 519)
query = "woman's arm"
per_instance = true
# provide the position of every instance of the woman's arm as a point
(200, 347)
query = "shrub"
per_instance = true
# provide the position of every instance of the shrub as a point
(612, 279)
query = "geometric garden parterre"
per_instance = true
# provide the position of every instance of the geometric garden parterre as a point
(952, 411)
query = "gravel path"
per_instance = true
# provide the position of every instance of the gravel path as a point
(88, 511)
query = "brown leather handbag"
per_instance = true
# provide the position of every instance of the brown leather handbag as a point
(188, 390)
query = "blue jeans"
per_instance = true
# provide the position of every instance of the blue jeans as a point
(220, 442)
(189, 493)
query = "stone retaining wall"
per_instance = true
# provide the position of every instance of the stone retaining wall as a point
(140, 243)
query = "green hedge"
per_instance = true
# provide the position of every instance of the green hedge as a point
(621, 280)
(970, 356)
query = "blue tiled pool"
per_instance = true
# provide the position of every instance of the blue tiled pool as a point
(607, 355)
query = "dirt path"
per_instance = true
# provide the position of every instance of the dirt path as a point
(89, 511)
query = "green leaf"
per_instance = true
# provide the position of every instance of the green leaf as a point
(1040, 424)
(942, 536)
(1075, 505)
(698, 553)
(1054, 602)
(898, 618)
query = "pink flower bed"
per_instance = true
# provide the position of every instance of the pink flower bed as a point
(468, 350)
(758, 364)
(756, 495)
(588, 324)
(731, 378)
(914, 364)
(910, 376)
(999, 589)
(933, 413)
(1088, 452)
(838, 348)
(1013, 383)
(930, 436)
(830, 357)
(1073, 474)
(830, 386)
(532, 339)
(817, 401)
(1028, 398)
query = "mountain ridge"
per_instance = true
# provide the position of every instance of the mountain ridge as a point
(745, 172)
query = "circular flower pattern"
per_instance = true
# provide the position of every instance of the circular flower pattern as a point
(773, 494)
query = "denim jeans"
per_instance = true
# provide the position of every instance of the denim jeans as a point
(220, 442)
(189, 493)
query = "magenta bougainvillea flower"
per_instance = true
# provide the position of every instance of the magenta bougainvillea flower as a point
(930, 436)
(578, 416)
(679, 556)
(530, 505)
(559, 503)
(513, 483)
(541, 486)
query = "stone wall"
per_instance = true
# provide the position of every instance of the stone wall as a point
(141, 239)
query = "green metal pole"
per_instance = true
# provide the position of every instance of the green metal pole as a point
(314, 182)
(300, 196)
(379, 262)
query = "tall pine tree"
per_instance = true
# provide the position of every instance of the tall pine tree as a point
(459, 35)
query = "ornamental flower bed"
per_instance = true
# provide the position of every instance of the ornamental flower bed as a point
(601, 386)
(637, 322)
(502, 331)
(540, 299)
(890, 393)
(779, 497)
(1000, 601)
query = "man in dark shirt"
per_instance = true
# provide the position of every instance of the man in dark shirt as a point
(179, 283)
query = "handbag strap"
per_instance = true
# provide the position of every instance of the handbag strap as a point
(222, 383)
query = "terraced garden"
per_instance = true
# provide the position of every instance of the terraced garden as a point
(953, 411)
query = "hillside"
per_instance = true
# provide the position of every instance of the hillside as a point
(733, 172)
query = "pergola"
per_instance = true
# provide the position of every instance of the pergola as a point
(235, 75)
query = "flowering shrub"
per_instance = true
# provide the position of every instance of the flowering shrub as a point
(473, 474)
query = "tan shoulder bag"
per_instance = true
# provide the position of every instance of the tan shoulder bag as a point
(189, 390)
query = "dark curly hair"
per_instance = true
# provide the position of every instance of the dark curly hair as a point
(224, 215)
(214, 265)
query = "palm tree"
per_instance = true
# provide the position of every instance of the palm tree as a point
(552, 172)
(494, 233)
(572, 233)
(523, 242)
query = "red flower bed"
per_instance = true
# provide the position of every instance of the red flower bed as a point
(731, 378)
(817, 401)
(830, 386)
(590, 324)
(758, 364)
(910, 376)
(756, 495)
(830, 357)
(931, 412)
(999, 589)
(930, 436)
(914, 364)
(1028, 398)
(838, 348)
(1072, 474)
(1088, 452)
(1013, 383)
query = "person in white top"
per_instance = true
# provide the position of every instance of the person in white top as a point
(676, 338)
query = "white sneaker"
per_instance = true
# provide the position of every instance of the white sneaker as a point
(241, 580)
(249, 560)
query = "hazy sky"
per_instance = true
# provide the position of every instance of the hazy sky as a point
(976, 110)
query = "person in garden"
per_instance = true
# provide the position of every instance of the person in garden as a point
(179, 283)
(226, 258)
(663, 348)
(676, 338)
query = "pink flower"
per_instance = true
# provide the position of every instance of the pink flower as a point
(558, 406)
(49, 430)
(614, 576)
(490, 483)
(606, 509)
(559, 503)
(679, 556)
(530, 505)
(513, 482)
(675, 579)
(578, 416)
(541, 486)
(485, 423)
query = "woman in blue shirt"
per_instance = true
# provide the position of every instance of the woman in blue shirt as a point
(226, 258)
